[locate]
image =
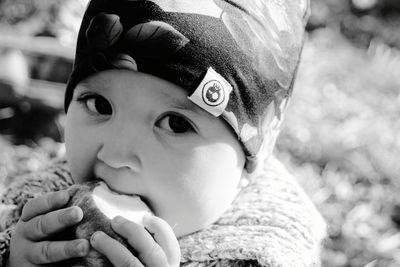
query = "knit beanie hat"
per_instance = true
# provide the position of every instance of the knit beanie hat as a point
(237, 59)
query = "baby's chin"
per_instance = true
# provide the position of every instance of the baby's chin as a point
(193, 222)
(191, 228)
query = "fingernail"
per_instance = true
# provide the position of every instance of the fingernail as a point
(64, 196)
(147, 218)
(75, 214)
(95, 235)
(118, 220)
(82, 248)
(63, 193)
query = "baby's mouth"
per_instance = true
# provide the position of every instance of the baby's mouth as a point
(112, 203)
(117, 192)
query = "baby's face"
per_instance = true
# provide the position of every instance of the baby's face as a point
(141, 135)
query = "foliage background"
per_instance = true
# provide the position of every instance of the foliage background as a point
(341, 137)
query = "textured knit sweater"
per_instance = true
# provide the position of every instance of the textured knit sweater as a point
(271, 223)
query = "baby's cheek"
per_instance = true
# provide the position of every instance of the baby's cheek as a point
(79, 164)
(81, 156)
(193, 211)
(195, 191)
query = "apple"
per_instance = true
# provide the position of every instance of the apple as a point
(99, 205)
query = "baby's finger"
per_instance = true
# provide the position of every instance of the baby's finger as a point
(49, 252)
(115, 252)
(45, 225)
(149, 252)
(44, 204)
(164, 235)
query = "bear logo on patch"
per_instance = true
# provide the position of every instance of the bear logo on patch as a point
(213, 93)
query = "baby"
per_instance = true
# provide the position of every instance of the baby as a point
(178, 102)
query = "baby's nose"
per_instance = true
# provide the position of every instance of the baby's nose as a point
(119, 159)
(120, 151)
(116, 158)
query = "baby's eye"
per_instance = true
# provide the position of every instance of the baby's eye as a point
(96, 104)
(175, 123)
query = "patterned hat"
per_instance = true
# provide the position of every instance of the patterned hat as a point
(237, 59)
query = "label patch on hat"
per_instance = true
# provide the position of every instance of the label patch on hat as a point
(213, 93)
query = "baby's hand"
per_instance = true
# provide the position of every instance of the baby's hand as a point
(42, 218)
(155, 247)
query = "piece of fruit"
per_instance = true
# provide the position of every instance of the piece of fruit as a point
(99, 205)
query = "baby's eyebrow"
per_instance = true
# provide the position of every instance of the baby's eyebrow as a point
(92, 85)
(184, 104)
(180, 104)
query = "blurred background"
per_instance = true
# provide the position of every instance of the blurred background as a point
(341, 137)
